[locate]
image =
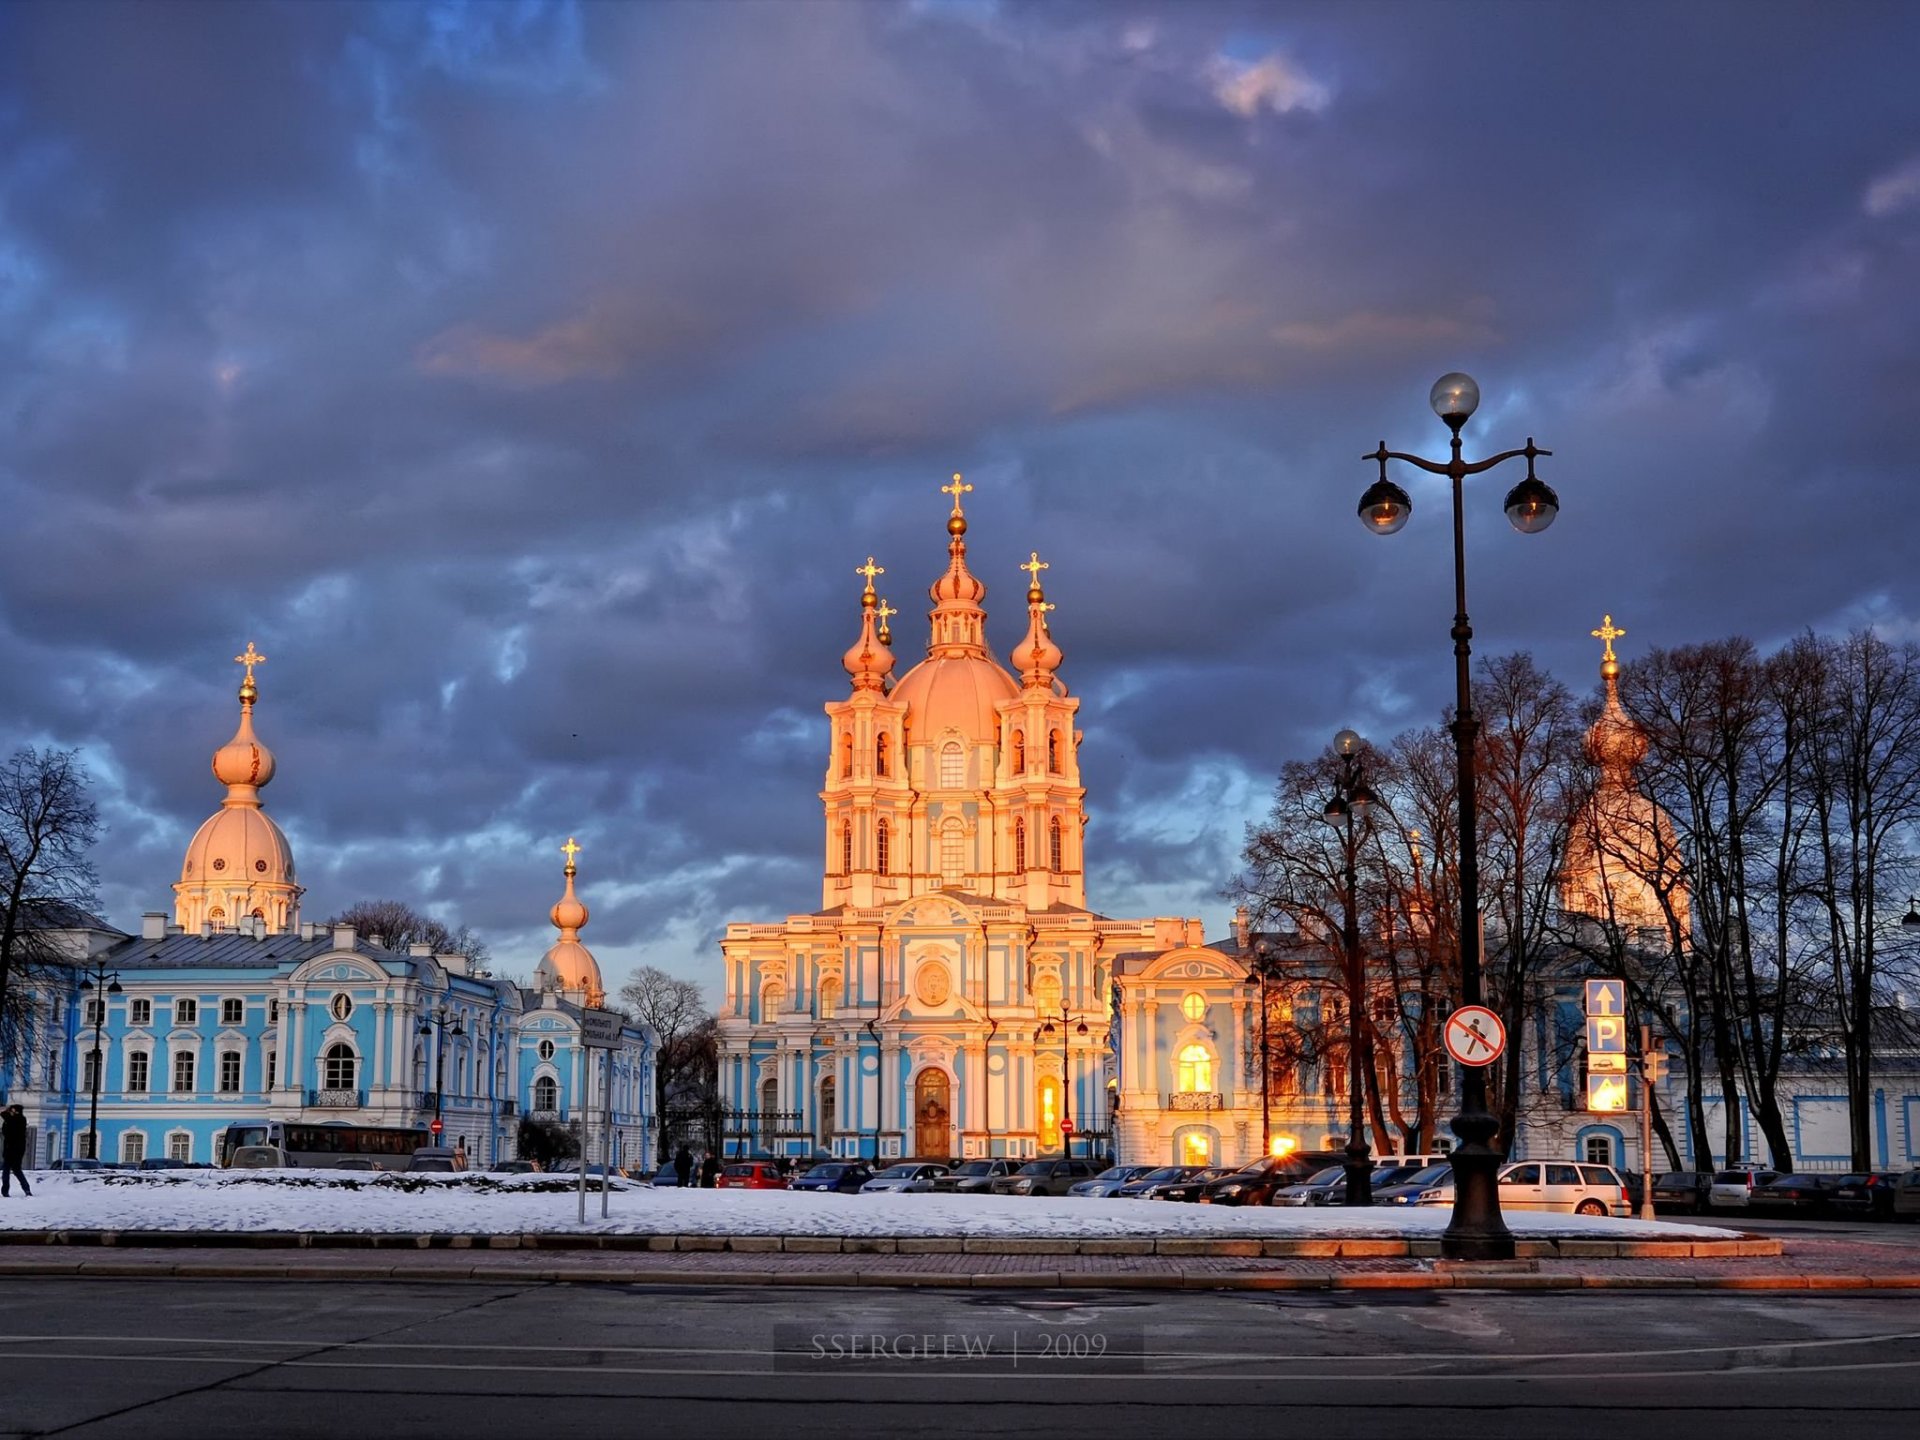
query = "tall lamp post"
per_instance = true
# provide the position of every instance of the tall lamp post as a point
(446, 1022)
(1351, 797)
(1476, 1231)
(1066, 1077)
(98, 985)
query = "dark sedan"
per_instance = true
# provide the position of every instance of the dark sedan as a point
(839, 1176)
(1867, 1195)
(1792, 1195)
(1682, 1191)
(1153, 1179)
(1405, 1192)
(1188, 1190)
(1255, 1184)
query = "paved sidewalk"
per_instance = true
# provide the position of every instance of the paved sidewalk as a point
(1805, 1265)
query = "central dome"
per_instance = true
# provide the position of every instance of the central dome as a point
(955, 692)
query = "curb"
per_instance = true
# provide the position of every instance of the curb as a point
(20, 1267)
(1172, 1247)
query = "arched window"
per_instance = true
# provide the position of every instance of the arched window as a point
(881, 837)
(1046, 994)
(1019, 752)
(953, 765)
(1195, 1070)
(1054, 856)
(880, 756)
(341, 1066)
(829, 998)
(773, 999)
(546, 1094)
(846, 847)
(829, 1112)
(1019, 845)
(846, 753)
(133, 1147)
(229, 1072)
(953, 853)
(1053, 751)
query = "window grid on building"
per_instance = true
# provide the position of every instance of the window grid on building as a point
(180, 1146)
(229, 1072)
(233, 1012)
(137, 1072)
(186, 1012)
(140, 1012)
(1055, 846)
(133, 1147)
(953, 766)
(183, 1071)
(882, 845)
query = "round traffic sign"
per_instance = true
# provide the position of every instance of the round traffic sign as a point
(1066, 1125)
(1475, 1035)
(436, 1127)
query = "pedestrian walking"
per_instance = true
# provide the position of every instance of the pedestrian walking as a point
(683, 1166)
(13, 1149)
(709, 1170)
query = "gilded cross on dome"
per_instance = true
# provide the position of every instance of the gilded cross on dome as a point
(1607, 634)
(252, 658)
(1035, 565)
(958, 488)
(869, 570)
(570, 849)
(886, 612)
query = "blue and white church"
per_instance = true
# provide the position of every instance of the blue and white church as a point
(236, 1009)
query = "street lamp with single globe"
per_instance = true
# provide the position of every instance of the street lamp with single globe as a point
(1476, 1231)
(1345, 811)
(106, 983)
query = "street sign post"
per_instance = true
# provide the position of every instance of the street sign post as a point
(600, 1029)
(1474, 1035)
(1607, 1047)
(436, 1127)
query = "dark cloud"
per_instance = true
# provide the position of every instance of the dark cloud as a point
(528, 380)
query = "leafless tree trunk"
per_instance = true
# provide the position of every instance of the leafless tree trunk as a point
(48, 825)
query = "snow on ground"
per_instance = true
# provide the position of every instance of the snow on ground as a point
(337, 1201)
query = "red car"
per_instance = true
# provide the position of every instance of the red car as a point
(750, 1175)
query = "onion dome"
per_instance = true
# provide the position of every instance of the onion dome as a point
(238, 864)
(959, 684)
(869, 661)
(1614, 743)
(1036, 657)
(569, 966)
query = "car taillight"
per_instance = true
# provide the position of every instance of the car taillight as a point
(1623, 1196)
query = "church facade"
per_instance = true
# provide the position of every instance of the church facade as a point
(952, 996)
(147, 1047)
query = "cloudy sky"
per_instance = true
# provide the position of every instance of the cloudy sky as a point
(527, 380)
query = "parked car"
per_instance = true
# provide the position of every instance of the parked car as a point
(1255, 1184)
(974, 1177)
(842, 1177)
(1732, 1189)
(1408, 1190)
(1869, 1195)
(1140, 1188)
(161, 1162)
(916, 1177)
(511, 1167)
(1682, 1191)
(258, 1157)
(78, 1162)
(1310, 1191)
(1906, 1196)
(433, 1159)
(1563, 1186)
(355, 1162)
(1791, 1195)
(1107, 1182)
(1045, 1177)
(1187, 1191)
(750, 1175)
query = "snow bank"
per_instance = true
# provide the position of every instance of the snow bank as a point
(345, 1201)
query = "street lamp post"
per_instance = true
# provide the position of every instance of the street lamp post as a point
(1066, 1077)
(106, 983)
(446, 1022)
(1351, 797)
(1476, 1231)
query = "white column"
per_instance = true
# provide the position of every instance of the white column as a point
(379, 1046)
(293, 1064)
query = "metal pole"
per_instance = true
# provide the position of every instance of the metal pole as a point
(1359, 1162)
(1476, 1231)
(99, 1020)
(1066, 1084)
(606, 1170)
(1646, 1123)
(1266, 1064)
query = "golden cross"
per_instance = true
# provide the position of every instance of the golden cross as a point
(570, 850)
(252, 658)
(869, 570)
(1034, 566)
(1607, 634)
(958, 488)
(886, 612)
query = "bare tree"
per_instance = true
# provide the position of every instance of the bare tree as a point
(48, 824)
(676, 1011)
(398, 925)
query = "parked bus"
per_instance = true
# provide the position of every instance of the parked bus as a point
(389, 1147)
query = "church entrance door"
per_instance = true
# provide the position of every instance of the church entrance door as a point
(932, 1109)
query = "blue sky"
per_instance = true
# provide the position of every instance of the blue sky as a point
(527, 380)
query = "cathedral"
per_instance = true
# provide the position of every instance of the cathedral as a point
(952, 994)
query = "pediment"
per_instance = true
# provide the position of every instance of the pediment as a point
(332, 968)
(1196, 965)
(933, 910)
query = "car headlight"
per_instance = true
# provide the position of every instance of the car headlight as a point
(1230, 1189)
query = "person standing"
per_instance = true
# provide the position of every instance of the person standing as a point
(683, 1166)
(13, 1149)
(709, 1170)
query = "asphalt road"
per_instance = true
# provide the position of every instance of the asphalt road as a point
(222, 1358)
